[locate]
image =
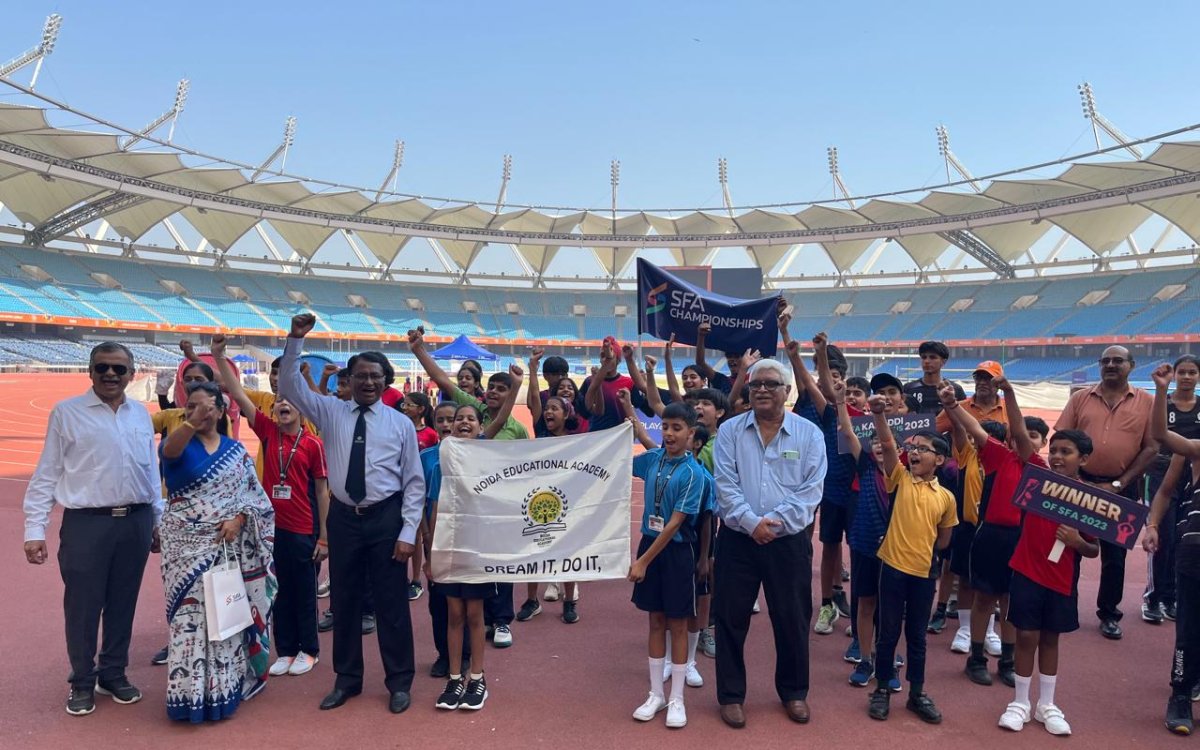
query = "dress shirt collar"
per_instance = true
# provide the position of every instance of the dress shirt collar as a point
(363, 408)
(1098, 391)
(753, 422)
(91, 399)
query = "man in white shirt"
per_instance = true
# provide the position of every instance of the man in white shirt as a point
(99, 463)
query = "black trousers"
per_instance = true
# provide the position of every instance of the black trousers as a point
(101, 559)
(498, 609)
(782, 569)
(362, 545)
(1160, 579)
(439, 615)
(295, 612)
(904, 601)
(1185, 664)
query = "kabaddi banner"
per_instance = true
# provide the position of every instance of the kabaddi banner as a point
(548, 510)
(902, 425)
(669, 305)
(1081, 506)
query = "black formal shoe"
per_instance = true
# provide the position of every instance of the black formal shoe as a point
(1006, 671)
(440, 668)
(337, 697)
(1111, 630)
(368, 624)
(977, 671)
(160, 657)
(82, 701)
(325, 624)
(120, 690)
(399, 702)
(922, 705)
(879, 704)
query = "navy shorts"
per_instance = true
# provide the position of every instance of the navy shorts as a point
(990, 553)
(834, 520)
(670, 583)
(1032, 606)
(468, 590)
(960, 550)
(864, 574)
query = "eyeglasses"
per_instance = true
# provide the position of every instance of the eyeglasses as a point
(102, 368)
(363, 377)
(1113, 361)
(922, 449)
(765, 385)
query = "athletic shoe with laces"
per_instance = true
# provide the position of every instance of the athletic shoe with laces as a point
(825, 620)
(1152, 612)
(707, 644)
(991, 643)
(281, 666)
(937, 623)
(452, 696)
(922, 705)
(962, 642)
(693, 678)
(894, 684)
(1178, 721)
(529, 610)
(160, 657)
(120, 690)
(1015, 716)
(879, 705)
(552, 592)
(650, 708)
(861, 676)
(325, 624)
(475, 696)
(1168, 610)
(841, 603)
(570, 615)
(1051, 717)
(323, 589)
(303, 664)
(853, 653)
(82, 701)
(977, 671)
(415, 591)
(502, 638)
(676, 715)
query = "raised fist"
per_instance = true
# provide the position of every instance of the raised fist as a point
(1162, 375)
(650, 362)
(302, 325)
(877, 403)
(189, 352)
(219, 343)
(516, 371)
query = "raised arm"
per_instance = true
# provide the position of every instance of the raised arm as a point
(824, 374)
(306, 373)
(891, 454)
(327, 372)
(653, 398)
(672, 378)
(533, 394)
(175, 443)
(639, 430)
(1016, 420)
(500, 418)
(594, 398)
(960, 417)
(748, 360)
(635, 374)
(291, 383)
(843, 418)
(416, 344)
(229, 381)
(1174, 442)
(702, 366)
(189, 351)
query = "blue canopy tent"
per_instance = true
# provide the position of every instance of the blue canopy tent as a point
(463, 348)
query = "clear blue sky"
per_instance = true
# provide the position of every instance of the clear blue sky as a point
(666, 87)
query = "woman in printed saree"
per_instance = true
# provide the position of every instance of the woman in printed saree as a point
(215, 503)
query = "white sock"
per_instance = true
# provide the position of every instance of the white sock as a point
(1022, 690)
(678, 681)
(477, 676)
(456, 677)
(1046, 685)
(656, 680)
(964, 621)
(991, 625)
(693, 641)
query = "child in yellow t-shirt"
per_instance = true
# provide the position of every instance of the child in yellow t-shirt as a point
(922, 516)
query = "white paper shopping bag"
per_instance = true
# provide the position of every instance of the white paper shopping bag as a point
(226, 606)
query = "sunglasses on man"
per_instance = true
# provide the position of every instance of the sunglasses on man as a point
(102, 368)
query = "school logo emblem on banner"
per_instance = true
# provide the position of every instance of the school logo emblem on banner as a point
(669, 305)
(547, 510)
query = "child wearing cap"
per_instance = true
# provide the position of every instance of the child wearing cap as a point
(924, 391)
(922, 516)
(985, 404)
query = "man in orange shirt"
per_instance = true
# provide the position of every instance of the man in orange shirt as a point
(986, 405)
(1116, 416)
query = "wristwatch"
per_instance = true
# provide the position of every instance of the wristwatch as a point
(1117, 484)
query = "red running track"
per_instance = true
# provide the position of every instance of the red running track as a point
(557, 686)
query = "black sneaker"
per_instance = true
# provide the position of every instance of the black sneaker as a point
(840, 602)
(82, 702)
(922, 705)
(160, 657)
(977, 671)
(879, 705)
(476, 695)
(1111, 630)
(120, 690)
(415, 591)
(451, 698)
(569, 615)
(1178, 721)
(325, 624)
(440, 668)
(529, 610)
(1006, 671)
(937, 623)
(1196, 692)
(1152, 612)
(1168, 610)
(368, 624)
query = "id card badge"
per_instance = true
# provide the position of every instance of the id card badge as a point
(281, 492)
(656, 523)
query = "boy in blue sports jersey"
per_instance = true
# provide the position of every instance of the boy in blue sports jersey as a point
(664, 572)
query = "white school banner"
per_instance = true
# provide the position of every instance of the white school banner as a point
(553, 510)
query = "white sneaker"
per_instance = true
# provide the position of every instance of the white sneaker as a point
(693, 676)
(1015, 716)
(650, 708)
(502, 638)
(850, 631)
(756, 610)
(962, 642)
(552, 593)
(323, 589)
(676, 715)
(281, 666)
(302, 664)
(826, 617)
(991, 644)
(1051, 717)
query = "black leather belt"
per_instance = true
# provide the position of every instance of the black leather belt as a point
(119, 511)
(365, 510)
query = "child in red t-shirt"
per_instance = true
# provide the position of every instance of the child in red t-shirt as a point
(1044, 594)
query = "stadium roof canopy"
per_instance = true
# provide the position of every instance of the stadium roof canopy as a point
(59, 181)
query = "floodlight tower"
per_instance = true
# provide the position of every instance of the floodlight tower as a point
(38, 54)
(1087, 99)
(505, 176)
(723, 178)
(171, 115)
(289, 137)
(840, 191)
(614, 179)
(394, 174)
(952, 161)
